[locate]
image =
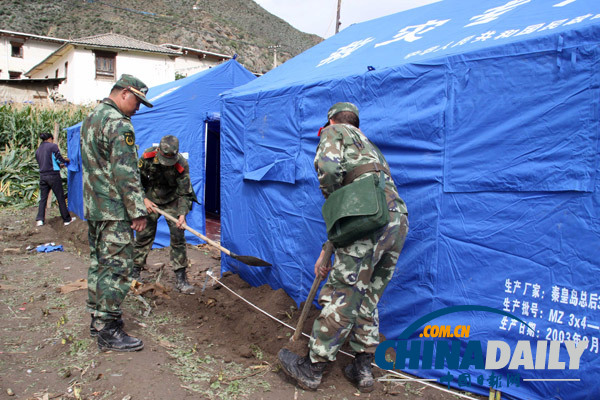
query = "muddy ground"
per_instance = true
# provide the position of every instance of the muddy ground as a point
(210, 345)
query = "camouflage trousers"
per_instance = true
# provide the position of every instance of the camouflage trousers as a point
(359, 275)
(144, 239)
(111, 255)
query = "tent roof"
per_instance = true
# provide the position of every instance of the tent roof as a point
(207, 84)
(430, 34)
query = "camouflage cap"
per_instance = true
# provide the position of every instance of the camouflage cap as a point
(137, 87)
(339, 107)
(168, 150)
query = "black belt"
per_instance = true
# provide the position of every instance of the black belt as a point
(363, 169)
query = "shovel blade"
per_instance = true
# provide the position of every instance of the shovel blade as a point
(252, 261)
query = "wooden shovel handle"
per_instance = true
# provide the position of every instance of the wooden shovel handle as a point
(313, 290)
(186, 227)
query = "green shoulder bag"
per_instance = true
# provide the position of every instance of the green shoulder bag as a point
(356, 210)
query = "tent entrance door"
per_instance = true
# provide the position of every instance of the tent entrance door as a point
(212, 183)
(212, 187)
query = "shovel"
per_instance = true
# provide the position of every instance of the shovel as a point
(248, 260)
(311, 295)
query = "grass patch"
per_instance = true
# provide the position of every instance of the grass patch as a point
(256, 351)
(200, 372)
(80, 347)
(216, 379)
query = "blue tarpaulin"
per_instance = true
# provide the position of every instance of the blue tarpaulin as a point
(487, 112)
(182, 108)
(48, 248)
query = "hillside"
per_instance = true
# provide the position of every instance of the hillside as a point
(221, 26)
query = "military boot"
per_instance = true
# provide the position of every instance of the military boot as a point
(306, 373)
(113, 337)
(182, 283)
(360, 373)
(94, 331)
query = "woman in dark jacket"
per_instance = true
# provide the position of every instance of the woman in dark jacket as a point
(50, 160)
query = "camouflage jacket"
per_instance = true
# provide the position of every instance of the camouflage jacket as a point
(342, 148)
(164, 184)
(111, 179)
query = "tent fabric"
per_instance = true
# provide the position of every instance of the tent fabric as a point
(487, 113)
(180, 109)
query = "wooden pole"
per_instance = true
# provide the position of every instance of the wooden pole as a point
(311, 295)
(337, 20)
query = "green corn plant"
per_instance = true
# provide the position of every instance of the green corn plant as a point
(20, 127)
(19, 178)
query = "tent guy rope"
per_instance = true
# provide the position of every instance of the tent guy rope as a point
(209, 273)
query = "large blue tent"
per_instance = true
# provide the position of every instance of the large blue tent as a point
(187, 108)
(487, 112)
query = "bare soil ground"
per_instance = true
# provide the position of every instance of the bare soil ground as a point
(210, 345)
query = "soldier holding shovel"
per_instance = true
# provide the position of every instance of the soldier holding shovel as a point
(362, 268)
(165, 177)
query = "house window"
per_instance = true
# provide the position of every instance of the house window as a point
(66, 70)
(16, 49)
(105, 64)
(14, 75)
(56, 73)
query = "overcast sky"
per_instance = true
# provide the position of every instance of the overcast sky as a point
(318, 16)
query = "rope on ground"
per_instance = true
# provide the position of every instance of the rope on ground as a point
(209, 273)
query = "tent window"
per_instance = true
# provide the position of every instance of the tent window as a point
(271, 141)
(16, 49)
(66, 70)
(105, 64)
(503, 138)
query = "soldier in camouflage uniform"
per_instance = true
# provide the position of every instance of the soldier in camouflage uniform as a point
(166, 180)
(113, 201)
(361, 270)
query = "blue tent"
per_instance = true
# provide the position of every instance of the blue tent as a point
(487, 112)
(187, 108)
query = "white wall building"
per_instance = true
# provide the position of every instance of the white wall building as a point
(84, 70)
(194, 60)
(92, 65)
(21, 51)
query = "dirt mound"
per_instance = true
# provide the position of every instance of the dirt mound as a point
(24, 234)
(247, 327)
(216, 306)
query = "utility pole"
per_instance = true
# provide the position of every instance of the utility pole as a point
(274, 54)
(337, 20)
